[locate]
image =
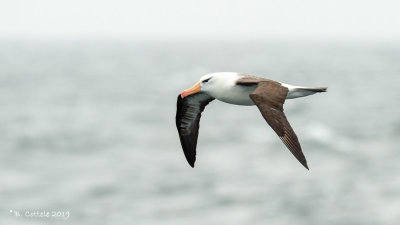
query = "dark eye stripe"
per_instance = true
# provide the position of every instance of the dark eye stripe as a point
(206, 80)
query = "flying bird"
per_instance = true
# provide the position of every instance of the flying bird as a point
(239, 89)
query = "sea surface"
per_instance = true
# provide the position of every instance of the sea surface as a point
(88, 135)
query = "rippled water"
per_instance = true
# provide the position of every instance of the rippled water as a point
(88, 128)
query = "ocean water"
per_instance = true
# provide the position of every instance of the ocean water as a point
(89, 137)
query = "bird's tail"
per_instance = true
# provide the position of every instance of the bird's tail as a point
(297, 92)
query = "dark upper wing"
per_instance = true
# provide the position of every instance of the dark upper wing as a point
(187, 118)
(269, 97)
(248, 80)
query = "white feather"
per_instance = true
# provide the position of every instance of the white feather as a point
(297, 91)
(222, 86)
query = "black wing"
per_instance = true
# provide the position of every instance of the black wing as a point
(269, 97)
(188, 113)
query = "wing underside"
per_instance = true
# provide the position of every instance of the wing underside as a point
(187, 122)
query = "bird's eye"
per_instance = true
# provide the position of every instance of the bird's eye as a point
(206, 80)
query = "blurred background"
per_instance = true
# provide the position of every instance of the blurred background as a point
(88, 99)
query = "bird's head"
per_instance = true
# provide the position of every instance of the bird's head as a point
(204, 84)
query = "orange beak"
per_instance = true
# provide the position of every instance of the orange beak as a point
(192, 90)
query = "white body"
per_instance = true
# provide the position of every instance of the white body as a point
(223, 87)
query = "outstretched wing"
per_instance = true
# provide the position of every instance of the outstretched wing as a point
(187, 118)
(269, 97)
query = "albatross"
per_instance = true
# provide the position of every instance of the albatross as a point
(239, 89)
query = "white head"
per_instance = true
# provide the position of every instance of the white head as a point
(209, 82)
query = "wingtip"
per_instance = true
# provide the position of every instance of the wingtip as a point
(191, 164)
(306, 166)
(191, 161)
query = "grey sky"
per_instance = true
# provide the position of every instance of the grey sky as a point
(317, 19)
